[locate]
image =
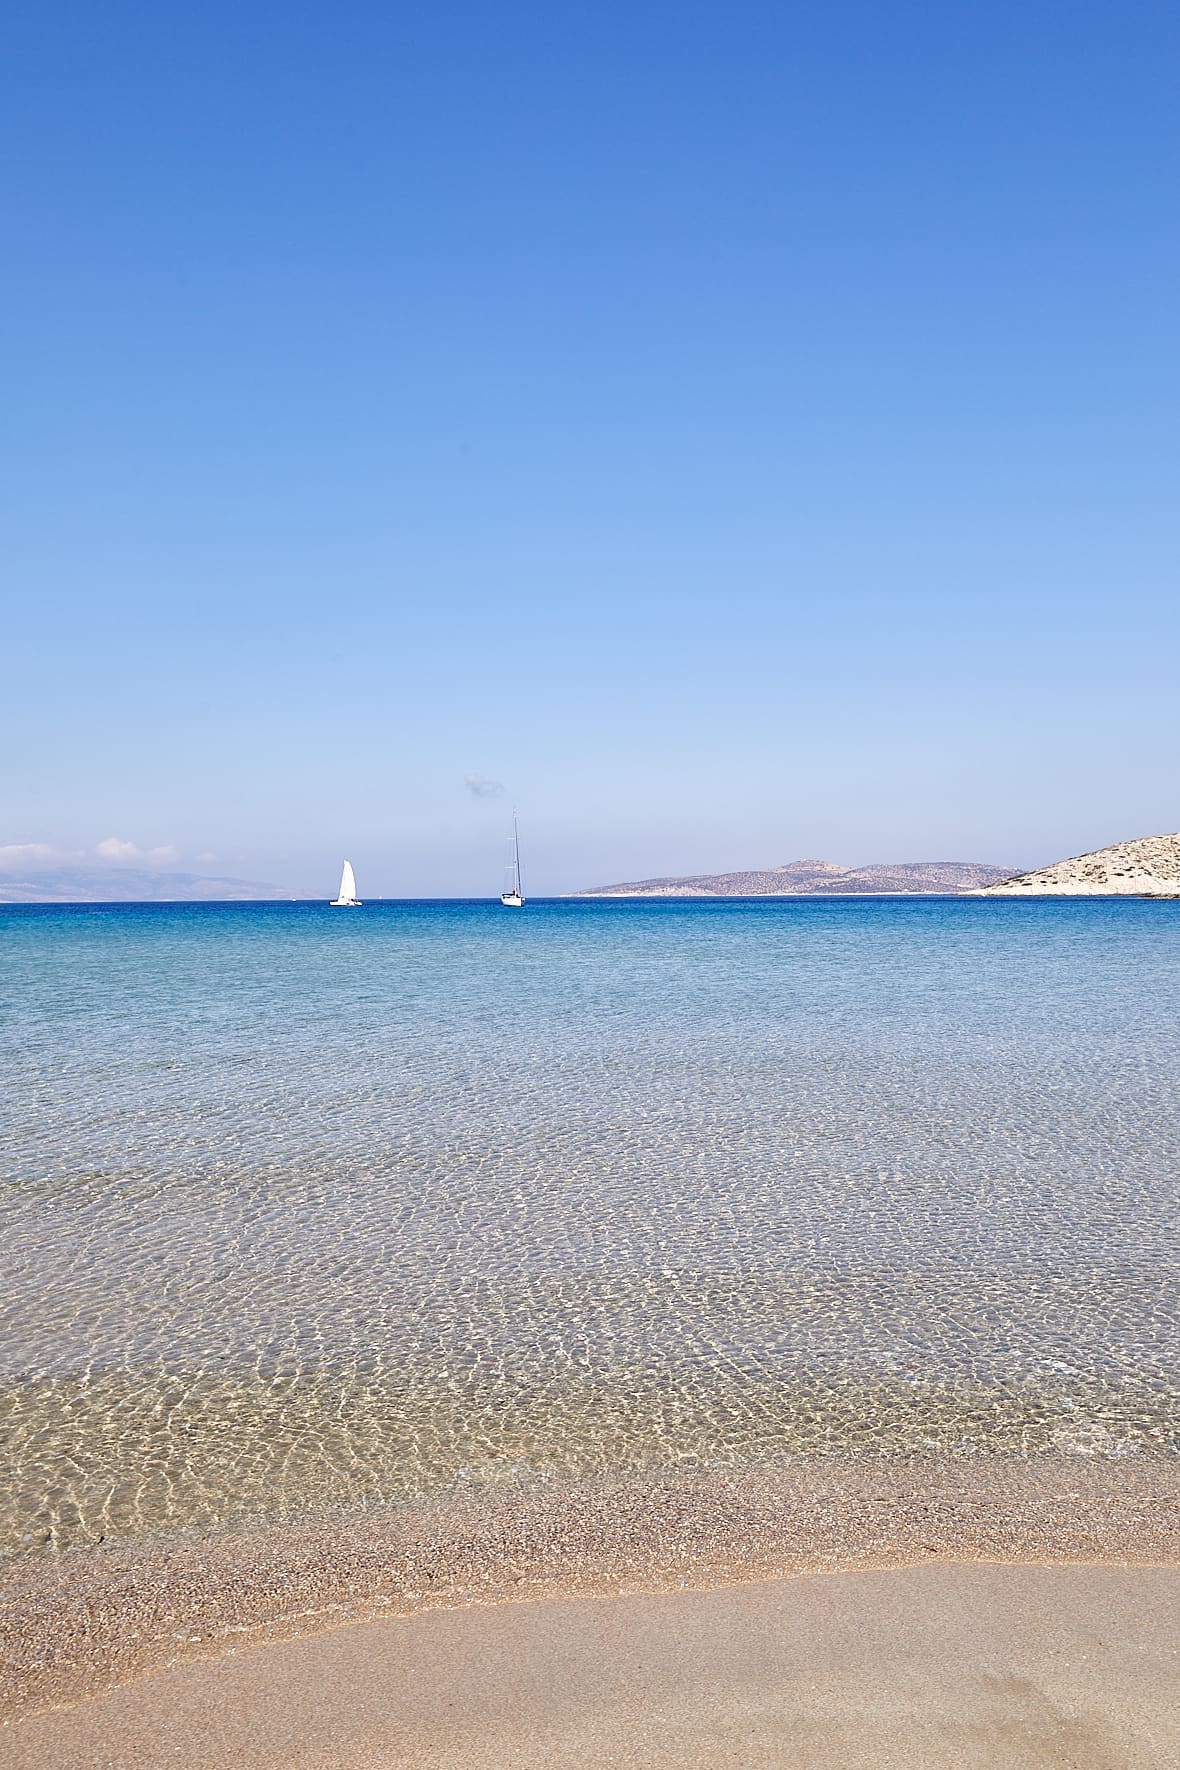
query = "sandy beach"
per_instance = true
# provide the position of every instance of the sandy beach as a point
(811, 1263)
(933, 1668)
(772, 1615)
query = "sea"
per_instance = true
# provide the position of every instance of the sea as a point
(305, 1211)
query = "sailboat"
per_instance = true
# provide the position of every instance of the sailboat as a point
(513, 898)
(348, 899)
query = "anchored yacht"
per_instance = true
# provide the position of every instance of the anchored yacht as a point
(513, 898)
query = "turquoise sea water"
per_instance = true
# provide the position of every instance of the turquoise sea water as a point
(303, 1208)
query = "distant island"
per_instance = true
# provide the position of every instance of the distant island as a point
(129, 885)
(1147, 867)
(823, 877)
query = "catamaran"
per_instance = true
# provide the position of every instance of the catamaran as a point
(348, 899)
(513, 898)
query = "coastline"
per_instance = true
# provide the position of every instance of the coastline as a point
(927, 1668)
(86, 1620)
(602, 1266)
(975, 891)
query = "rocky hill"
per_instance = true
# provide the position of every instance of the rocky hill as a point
(810, 877)
(1149, 867)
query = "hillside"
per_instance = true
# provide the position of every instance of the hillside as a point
(128, 885)
(810, 877)
(1149, 867)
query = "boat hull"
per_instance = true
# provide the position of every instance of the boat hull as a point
(512, 900)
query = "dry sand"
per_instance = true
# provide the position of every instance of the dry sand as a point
(546, 1624)
(939, 1666)
(77, 1623)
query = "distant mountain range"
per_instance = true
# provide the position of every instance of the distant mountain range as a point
(823, 877)
(1147, 867)
(129, 885)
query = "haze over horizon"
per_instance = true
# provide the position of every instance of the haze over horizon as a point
(30, 874)
(730, 436)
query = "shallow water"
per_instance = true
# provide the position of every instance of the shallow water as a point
(306, 1209)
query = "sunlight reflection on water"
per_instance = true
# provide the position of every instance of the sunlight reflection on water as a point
(302, 1209)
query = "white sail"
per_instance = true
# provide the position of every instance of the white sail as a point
(348, 898)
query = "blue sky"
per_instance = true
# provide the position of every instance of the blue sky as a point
(741, 432)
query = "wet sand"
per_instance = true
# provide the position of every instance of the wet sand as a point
(81, 1623)
(946, 1667)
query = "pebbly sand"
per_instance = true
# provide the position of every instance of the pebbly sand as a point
(934, 1668)
(399, 1638)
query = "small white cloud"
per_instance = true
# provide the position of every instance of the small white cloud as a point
(129, 854)
(16, 856)
(480, 787)
(206, 857)
(111, 848)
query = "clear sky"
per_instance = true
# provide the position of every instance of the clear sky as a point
(741, 431)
